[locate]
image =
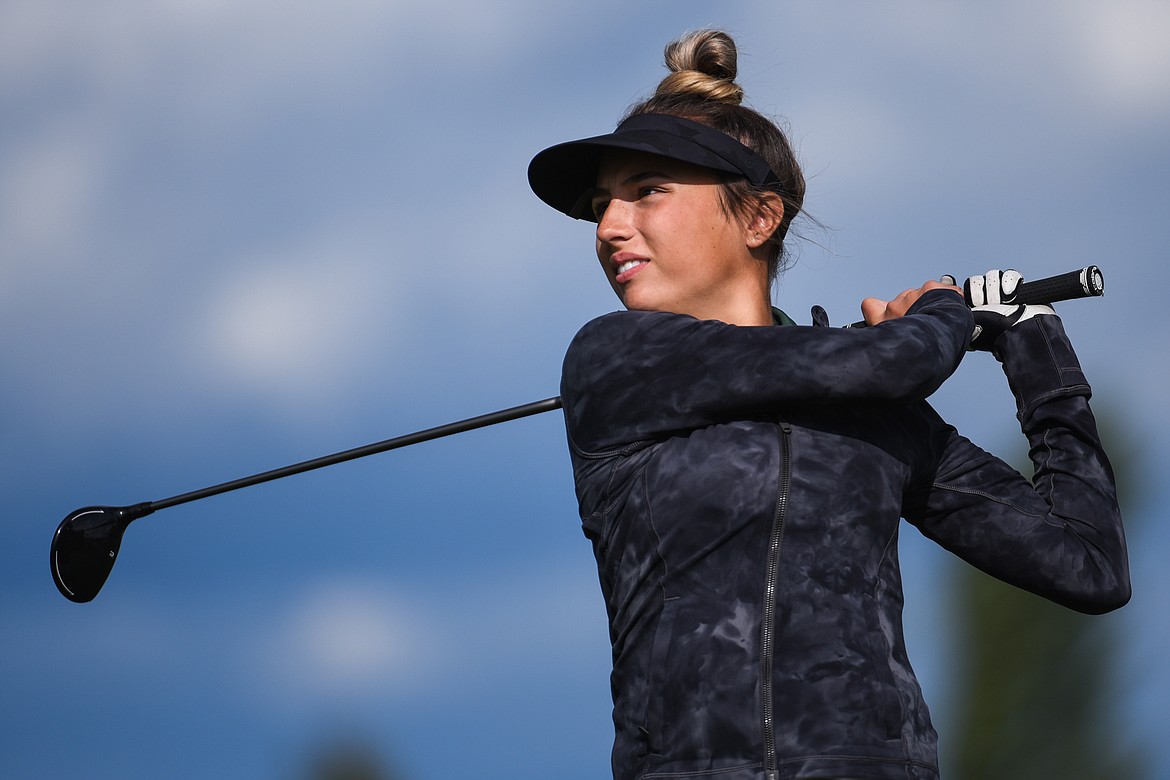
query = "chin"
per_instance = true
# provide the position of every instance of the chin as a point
(635, 302)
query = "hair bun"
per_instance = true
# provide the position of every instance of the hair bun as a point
(702, 63)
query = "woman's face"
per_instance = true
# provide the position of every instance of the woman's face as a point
(666, 242)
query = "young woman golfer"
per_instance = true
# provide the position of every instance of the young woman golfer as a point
(742, 478)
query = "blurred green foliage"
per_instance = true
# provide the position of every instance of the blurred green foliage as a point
(347, 759)
(1036, 694)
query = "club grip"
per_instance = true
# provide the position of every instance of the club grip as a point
(1085, 283)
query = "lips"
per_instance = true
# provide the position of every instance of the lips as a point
(627, 266)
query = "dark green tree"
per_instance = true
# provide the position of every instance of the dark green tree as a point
(1035, 688)
(347, 759)
(1035, 698)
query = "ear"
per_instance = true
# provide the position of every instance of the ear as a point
(766, 217)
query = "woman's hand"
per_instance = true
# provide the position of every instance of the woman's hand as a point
(875, 310)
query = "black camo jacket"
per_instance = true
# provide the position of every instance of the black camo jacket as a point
(743, 489)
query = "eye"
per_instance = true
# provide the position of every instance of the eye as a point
(649, 190)
(599, 208)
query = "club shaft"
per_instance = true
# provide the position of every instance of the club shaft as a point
(492, 418)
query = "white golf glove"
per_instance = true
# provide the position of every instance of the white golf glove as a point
(990, 299)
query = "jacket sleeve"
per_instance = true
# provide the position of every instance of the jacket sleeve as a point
(632, 376)
(1059, 536)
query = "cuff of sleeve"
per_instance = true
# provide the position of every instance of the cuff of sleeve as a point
(1040, 364)
(940, 296)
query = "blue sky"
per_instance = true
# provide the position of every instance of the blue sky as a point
(236, 236)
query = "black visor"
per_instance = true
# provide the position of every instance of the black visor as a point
(562, 174)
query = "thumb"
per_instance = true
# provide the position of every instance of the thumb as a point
(872, 310)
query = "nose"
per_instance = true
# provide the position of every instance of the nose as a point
(616, 223)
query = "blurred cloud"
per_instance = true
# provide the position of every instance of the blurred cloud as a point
(281, 325)
(348, 639)
(1124, 61)
(48, 199)
(353, 639)
(235, 52)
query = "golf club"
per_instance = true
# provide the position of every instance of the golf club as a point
(86, 542)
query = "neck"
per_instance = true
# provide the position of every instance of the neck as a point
(754, 314)
(741, 305)
(747, 302)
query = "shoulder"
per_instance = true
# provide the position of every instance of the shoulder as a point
(615, 335)
(622, 323)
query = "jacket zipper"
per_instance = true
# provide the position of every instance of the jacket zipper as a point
(768, 628)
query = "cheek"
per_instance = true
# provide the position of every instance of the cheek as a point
(705, 239)
(705, 221)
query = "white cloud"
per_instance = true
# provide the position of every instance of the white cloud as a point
(358, 639)
(1063, 57)
(225, 61)
(293, 322)
(347, 639)
(50, 184)
(1123, 54)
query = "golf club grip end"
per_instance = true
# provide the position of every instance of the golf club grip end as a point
(1086, 282)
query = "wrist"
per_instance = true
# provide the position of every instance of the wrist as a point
(1040, 364)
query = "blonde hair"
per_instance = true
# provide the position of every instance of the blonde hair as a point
(703, 63)
(701, 87)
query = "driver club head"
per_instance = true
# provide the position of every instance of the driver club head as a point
(85, 547)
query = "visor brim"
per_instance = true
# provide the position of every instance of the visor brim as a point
(564, 174)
